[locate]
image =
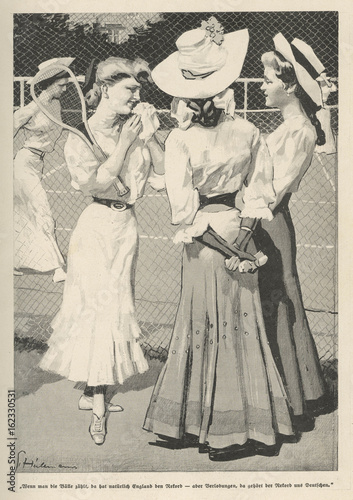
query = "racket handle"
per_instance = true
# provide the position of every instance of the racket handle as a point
(120, 187)
(118, 183)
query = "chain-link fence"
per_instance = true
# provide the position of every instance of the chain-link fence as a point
(40, 37)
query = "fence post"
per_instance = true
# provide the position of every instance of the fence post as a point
(245, 98)
(22, 93)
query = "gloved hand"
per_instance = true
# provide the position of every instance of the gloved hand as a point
(232, 264)
(246, 266)
(247, 227)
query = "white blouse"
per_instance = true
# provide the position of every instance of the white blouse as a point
(40, 131)
(215, 161)
(136, 171)
(291, 147)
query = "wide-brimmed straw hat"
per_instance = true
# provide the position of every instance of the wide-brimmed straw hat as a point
(51, 68)
(205, 64)
(306, 65)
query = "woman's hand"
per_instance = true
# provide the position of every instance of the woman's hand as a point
(232, 263)
(246, 266)
(130, 130)
(149, 120)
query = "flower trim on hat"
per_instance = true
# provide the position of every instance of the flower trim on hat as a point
(214, 30)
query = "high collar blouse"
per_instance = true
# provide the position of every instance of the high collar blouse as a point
(215, 161)
(291, 147)
(83, 165)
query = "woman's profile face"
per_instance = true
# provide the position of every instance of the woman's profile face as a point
(273, 87)
(57, 89)
(124, 95)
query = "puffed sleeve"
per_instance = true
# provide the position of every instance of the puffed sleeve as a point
(183, 198)
(156, 177)
(258, 193)
(82, 164)
(291, 157)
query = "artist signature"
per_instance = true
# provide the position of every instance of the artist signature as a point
(24, 462)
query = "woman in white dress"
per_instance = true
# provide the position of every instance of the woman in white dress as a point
(96, 334)
(290, 84)
(35, 244)
(219, 389)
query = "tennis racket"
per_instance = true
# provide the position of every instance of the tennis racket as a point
(69, 111)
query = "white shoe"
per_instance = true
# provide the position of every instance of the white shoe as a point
(86, 403)
(16, 272)
(98, 429)
(59, 275)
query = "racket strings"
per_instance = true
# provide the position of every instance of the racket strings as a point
(62, 101)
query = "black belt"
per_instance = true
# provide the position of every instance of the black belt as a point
(222, 199)
(36, 151)
(117, 205)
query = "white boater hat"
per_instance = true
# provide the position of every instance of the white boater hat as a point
(205, 64)
(306, 65)
(51, 68)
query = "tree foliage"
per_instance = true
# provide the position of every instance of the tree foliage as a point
(38, 37)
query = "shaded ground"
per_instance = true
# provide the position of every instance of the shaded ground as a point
(51, 430)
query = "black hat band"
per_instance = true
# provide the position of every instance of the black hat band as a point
(303, 61)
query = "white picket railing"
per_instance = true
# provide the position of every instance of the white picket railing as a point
(23, 79)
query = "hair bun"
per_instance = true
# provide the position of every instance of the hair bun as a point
(142, 71)
(90, 76)
(93, 96)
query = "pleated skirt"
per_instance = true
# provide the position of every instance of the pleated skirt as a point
(287, 327)
(95, 335)
(220, 381)
(35, 244)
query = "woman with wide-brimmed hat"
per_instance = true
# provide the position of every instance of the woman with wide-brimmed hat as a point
(219, 389)
(291, 74)
(35, 244)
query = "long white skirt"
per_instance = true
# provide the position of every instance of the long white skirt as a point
(35, 243)
(95, 337)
